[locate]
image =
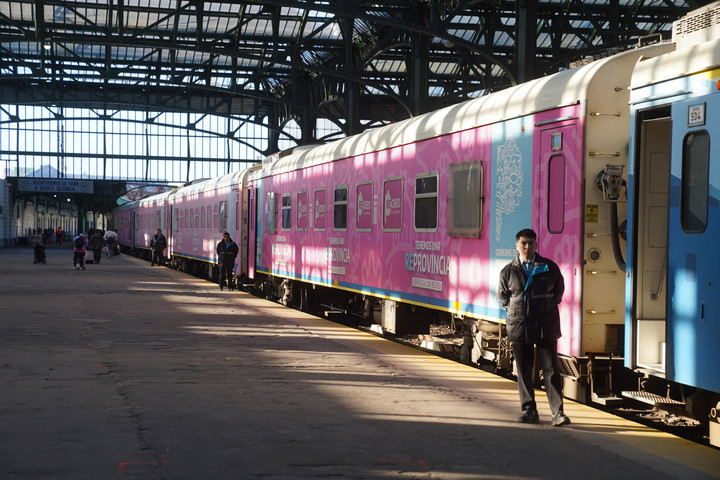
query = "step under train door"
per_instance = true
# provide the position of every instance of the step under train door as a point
(650, 245)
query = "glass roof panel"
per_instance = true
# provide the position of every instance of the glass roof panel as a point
(257, 27)
(322, 29)
(391, 66)
(20, 11)
(288, 28)
(444, 68)
(163, 4)
(221, 7)
(502, 39)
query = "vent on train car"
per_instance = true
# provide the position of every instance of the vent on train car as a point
(697, 26)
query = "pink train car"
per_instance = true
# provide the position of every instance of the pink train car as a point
(200, 213)
(136, 222)
(416, 219)
(193, 218)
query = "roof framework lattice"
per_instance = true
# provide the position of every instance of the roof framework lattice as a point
(359, 64)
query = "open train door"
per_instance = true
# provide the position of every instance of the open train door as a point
(650, 177)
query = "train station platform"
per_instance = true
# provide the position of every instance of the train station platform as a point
(129, 371)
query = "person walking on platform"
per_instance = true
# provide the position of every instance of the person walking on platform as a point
(110, 238)
(158, 243)
(530, 289)
(227, 251)
(79, 246)
(58, 236)
(96, 244)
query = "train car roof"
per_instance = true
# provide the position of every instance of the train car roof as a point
(158, 197)
(564, 88)
(685, 60)
(232, 178)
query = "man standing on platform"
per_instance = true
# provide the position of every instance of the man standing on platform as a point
(158, 243)
(530, 289)
(227, 251)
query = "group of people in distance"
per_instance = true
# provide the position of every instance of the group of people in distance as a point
(96, 241)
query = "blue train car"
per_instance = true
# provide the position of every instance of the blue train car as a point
(673, 272)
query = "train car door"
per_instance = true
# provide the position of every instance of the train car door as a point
(693, 329)
(169, 228)
(558, 224)
(235, 228)
(133, 228)
(252, 226)
(650, 239)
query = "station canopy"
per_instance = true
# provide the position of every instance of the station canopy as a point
(165, 92)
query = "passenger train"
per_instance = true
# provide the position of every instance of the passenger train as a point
(610, 163)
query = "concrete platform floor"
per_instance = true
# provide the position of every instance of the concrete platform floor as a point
(130, 371)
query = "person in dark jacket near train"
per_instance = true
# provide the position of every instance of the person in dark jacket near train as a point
(530, 289)
(227, 251)
(158, 244)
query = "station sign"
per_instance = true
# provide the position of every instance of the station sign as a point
(55, 185)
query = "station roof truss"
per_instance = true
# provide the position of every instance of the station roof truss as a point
(359, 64)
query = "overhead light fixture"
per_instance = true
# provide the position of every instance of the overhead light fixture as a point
(47, 46)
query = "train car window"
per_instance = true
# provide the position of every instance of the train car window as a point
(303, 208)
(209, 218)
(465, 199)
(271, 212)
(426, 202)
(392, 198)
(319, 206)
(286, 211)
(695, 182)
(340, 208)
(197, 218)
(364, 210)
(223, 216)
(216, 216)
(556, 194)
